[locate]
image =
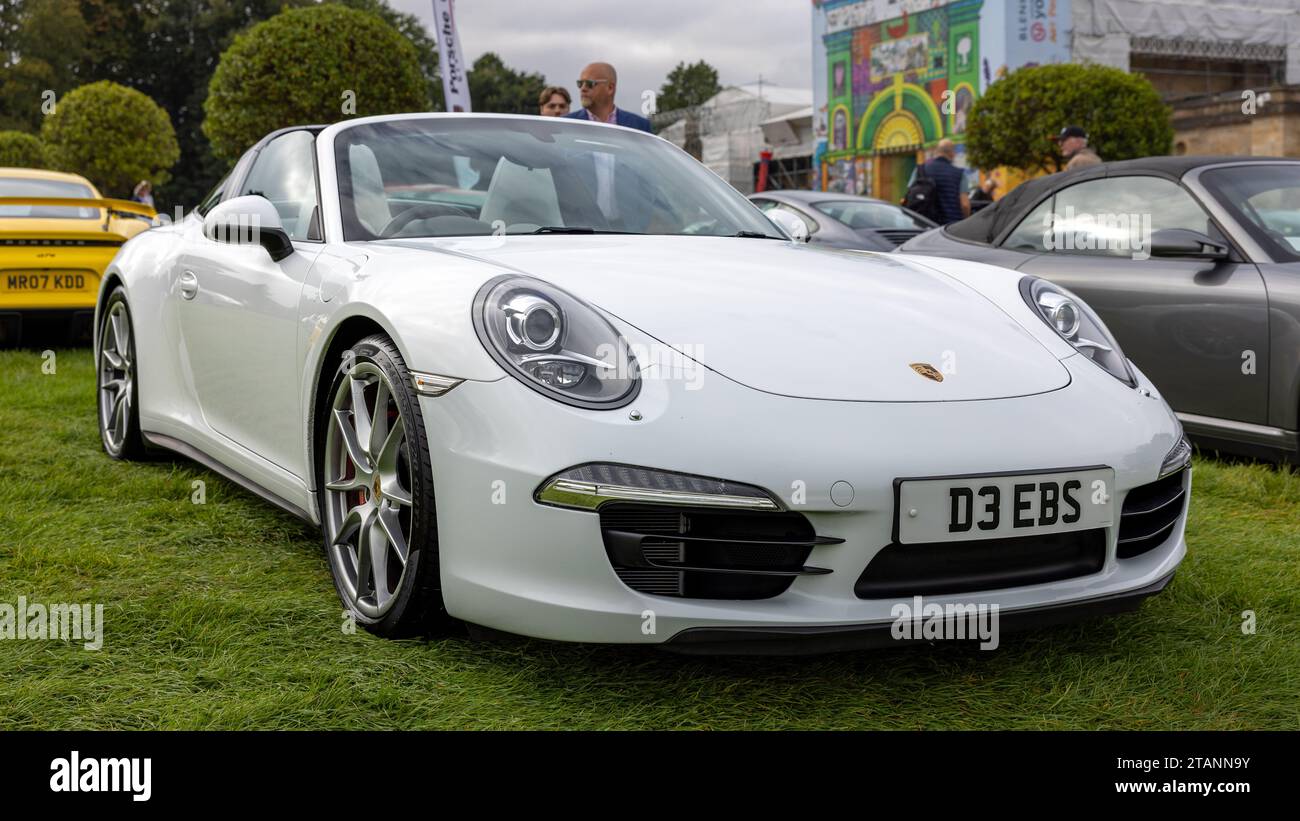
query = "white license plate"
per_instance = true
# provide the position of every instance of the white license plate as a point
(967, 508)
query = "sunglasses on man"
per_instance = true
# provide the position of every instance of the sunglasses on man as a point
(590, 83)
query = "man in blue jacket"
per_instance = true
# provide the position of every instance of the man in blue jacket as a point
(952, 184)
(597, 85)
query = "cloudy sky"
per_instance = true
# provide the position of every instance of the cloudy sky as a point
(644, 39)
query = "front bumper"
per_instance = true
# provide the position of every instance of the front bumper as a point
(512, 564)
(793, 641)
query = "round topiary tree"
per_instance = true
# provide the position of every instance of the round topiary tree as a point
(308, 65)
(112, 135)
(21, 150)
(1013, 123)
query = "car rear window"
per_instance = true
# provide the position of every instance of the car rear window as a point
(858, 214)
(22, 187)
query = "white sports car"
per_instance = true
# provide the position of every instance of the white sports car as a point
(555, 378)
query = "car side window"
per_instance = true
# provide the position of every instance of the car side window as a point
(1032, 232)
(285, 173)
(213, 197)
(1110, 217)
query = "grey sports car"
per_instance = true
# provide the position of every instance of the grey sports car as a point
(1193, 263)
(845, 220)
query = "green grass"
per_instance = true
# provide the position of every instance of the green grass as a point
(223, 615)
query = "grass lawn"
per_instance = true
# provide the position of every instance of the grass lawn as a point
(223, 615)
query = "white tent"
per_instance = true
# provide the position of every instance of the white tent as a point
(730, 129)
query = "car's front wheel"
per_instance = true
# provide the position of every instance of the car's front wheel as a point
(116, 390)
(376, 495)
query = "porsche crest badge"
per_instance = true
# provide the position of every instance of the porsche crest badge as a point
(928, 371)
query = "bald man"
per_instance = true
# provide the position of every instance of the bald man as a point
(597, 85)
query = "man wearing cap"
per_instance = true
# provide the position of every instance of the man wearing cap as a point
(1073, 141)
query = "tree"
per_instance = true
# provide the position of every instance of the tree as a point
(10, 13)
(168, 49)
(410, 27)
(317, 64)
(54, 32)
(112, 135)
(19, 150)
(1012, 124)
(496, 88)
(688, 86)
(23, 88)
(42, 42)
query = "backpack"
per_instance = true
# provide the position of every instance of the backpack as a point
(923, 196)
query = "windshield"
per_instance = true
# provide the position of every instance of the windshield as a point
(856, 214)
(1266, 200)
(449, 177)
(21, 187)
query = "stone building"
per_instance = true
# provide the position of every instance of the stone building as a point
(1230, 71)
(1261, 123)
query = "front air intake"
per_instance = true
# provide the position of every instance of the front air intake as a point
(945, 568)
(1150, 514)
(705, 553)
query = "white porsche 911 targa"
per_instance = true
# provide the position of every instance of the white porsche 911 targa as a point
(555, 378)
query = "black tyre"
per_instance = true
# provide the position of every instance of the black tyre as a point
(116, 388)
(376, 495)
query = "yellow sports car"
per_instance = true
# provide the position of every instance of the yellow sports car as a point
(57, 234)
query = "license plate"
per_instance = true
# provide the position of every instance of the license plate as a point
(967, 508)
(44, 281)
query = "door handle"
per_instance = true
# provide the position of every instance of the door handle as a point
(189, 285)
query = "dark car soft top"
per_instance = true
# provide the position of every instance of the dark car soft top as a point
(988, 224)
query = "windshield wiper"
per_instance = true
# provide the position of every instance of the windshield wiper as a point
(754, 235)
(573, 229)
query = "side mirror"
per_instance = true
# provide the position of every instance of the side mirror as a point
(250, 220)
(793, 227)
(1181, 242)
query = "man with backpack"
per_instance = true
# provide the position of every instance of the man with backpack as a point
(940, 190)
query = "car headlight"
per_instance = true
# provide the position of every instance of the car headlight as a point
(555, 343)
(1076, 323)
(1178, 458)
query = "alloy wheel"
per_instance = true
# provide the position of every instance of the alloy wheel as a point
(368, 500)
(116, 377)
